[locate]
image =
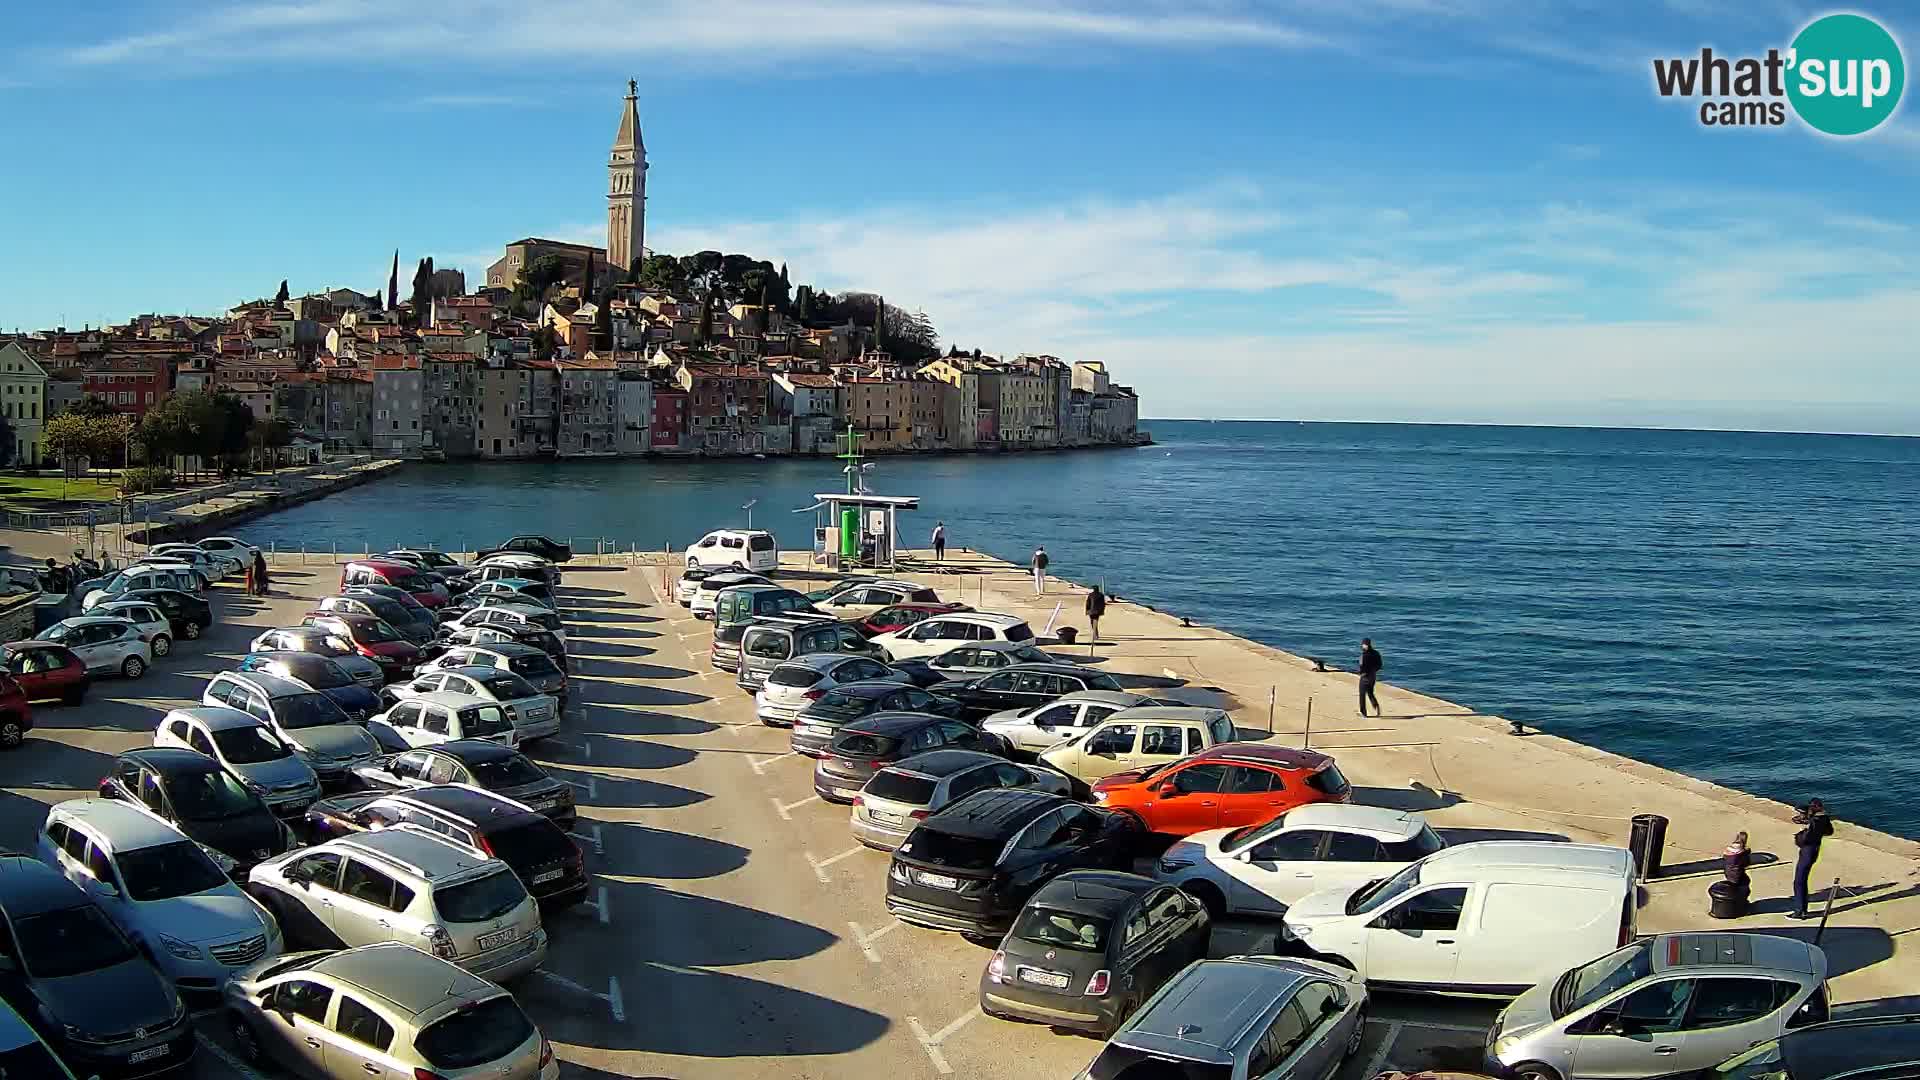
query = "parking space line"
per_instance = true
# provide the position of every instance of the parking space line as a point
(785, 810)
(760, 764)
(615, 1004)
(931, 1043)
(598, 847)
(599, 905)
(820, 865)
(231, 1062)
(866, 940)
(1386, 1047)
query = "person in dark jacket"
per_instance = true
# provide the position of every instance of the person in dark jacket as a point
(939, 541)
(1736, 859)
(1370, 665)
(260, 575)
(1096, 607)
(1039, 570)
(1815, 826)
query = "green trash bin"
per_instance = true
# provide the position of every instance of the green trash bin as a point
(849, 534)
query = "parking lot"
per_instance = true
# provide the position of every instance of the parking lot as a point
(735, 928)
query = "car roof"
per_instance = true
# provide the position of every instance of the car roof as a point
(756, 587)
(1123, 698)
(1093, 892)
(731, 577)
(739, 532)
(996, 646)
(452, 699)
(867, 688)
(34, 643)
(476, 805)
(1196, 713)
(219, 717)
(274, 685)
(29, 887)
(416, 848)
(408, 978)
(125, 828)
(473, 751)
(172, 759)
(790, 620)
(1535, 855)
(508, 649)
(822, 661)
(1842, 1046)
(984, 618)
(118, 602)
(1207, 1009)
(891, 722)
(993, 814)
(937, 607)
(1054, 668)
(378, 563)
(92, 620)
(1279, 757)
(471, 671)
(935, 764)
(1771, 951)
(1375, 821)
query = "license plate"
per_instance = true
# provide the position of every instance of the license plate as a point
(938, 881)
(884, 819)
(1043, 978)
(496, 939)
(148, 1054)
(846, 793)
(545, 876)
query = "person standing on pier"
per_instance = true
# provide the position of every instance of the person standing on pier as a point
(1815, 827)
(259, 575)
(1039, 570)
(940, 541)
(1370, 665)
(1096, 607)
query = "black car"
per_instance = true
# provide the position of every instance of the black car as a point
(972, 866)
(412, 619)
(551, 550)
(202, 799)
(63, 963)
(189, 615)
(487, 765)
(918, 673)
(1856, 1048)
(318, 673)
(547, 860)
(1090, 947)
(520, 634)
(1023, 686)
(815, 725)
(872, 743)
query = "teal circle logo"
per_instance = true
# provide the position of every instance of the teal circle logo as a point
(1847, 75)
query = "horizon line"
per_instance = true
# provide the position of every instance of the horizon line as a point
(1522, 424)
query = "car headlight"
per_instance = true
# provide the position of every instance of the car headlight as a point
(1099, 797)
(1300, 933)
(1505, 1045)
(185, 950)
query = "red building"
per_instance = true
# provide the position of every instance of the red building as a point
(669, 424)
(133, 377)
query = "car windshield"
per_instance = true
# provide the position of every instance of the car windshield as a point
(475, 1035)
(250, 745)
(902, 787)
(532, 667)
(537, 841)
(385, 607)
(210, 796)
(1121, 1062)
(376, 632)
(861, 744)
(1251, 834)
(307, 710)
(1100, 680)
(1027, 654)
(841, 703)
(59, 632)
(318, 672)
(794, 675)
(1587, 984)
(947, 849)
(481, 899)
(483, 720)
(1019, 632)
(507, 686)
(1067, 929)
(55, 944)
(514, 770)
(168, 870)
(1373, 896)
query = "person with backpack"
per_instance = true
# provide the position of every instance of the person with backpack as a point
(1370, 665)
(1039, 570)
(1815, 826)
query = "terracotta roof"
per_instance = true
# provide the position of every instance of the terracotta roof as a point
(726, 371)
(450, 357)
(396, 362)
(813, 379)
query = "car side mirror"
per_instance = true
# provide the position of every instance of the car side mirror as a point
(108, 889)
(1244, 856)
(1389, 920)
(1169, 789)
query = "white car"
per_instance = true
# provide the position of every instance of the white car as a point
(152, 623)
(738, 549)
(794, 684)
(249, 749)
(103, 644)
(1261, 869)
(432, 719)
(160, 888)
(214, 566)
(689, 584)
(711, 586)
(231, 546)
(170, 576)
(1040, 726)
(529, 616)
(936, 634)
(537, 715)
(862, 598)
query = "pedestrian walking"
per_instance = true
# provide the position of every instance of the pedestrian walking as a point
(939, 541)
(1370, 665)
(1096, 607)
(1815, 826)
(1039, 570)
(260, 574)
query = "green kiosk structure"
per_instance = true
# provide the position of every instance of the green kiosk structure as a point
(857, 528)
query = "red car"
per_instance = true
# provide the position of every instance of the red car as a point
(901, 616)
(372, 638)
(46, 671)
(415, 581)
(1224, 787)
(16, 716)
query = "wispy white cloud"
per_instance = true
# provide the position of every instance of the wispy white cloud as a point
(466, 101)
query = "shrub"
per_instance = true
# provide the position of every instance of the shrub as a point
(145, 480)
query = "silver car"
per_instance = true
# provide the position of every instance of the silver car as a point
(250, 751)
(901, 795)
(987, 657)
(1039, 726)
(386, 1011)
(1667, 1004)
(534, 714)
(794, 684)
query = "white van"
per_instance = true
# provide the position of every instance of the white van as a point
(736, 549)
(1494, 917)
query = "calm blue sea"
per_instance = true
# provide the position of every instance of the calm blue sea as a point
(1741, 607)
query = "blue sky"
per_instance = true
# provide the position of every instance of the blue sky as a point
(1335, 209)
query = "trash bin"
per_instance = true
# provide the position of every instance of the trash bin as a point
(1648, 843)
(1067, 634)
(1728, 899)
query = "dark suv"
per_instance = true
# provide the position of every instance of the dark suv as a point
(972, 866)
(201, 798)
(872, 743)
(189, 615)
(815, 725)
(502, 770)
(317, 672)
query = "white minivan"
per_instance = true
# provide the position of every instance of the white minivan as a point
(735, 549)
(1494, 917)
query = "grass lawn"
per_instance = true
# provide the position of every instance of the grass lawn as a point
(41, 494)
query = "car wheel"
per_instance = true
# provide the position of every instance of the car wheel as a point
(1359, 1035)
(162, 645)
(11, 733)
(245, 1040)
(1209, 895)
(191, 631)
(1534, 1070)
(133, 667)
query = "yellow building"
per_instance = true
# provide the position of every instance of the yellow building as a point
(23, 401)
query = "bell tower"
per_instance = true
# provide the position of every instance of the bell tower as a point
(627, 188)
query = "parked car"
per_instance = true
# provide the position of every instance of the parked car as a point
(178, 577)
(547, 860)
(426, 559)
(359, 601)
(198, 796)
(1225, 786)
(324, 737)
(969, 661)
(689, 583)
(871, 743)
(407, 884)
(513, 564)
(513, 616)
(64, 963)
(16, 714)
(160, 888)
(443, 716)
(1246, 1016)
(707, 592)
(489, 766)
(792, 684)
(26, 1054)
(776, 638)
(546, 548)
(47, 671)
(316, 672)
(425, 586)
(1024, 686)
(1090, 947)
(1140, 738)
(863, 598)
(104, 645)
(815, 725)
(900, 616)
(419, 611)
(509, 634)
(189, 615)
(1260, 869)
(1857, 1048)
(937, 634)
(371, 637)
(1039, 726)
(248, 749)
(512, 589)
(386, 1010)
(212, 567)
(146, 617)
(311, 639)
(232, 546)
(972, 866)
(534, 714)
(525, 661)
(1491, 917)
(744, 603)
(724, 653)
(1668, 1004)
(901, 795)
(740, 549)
